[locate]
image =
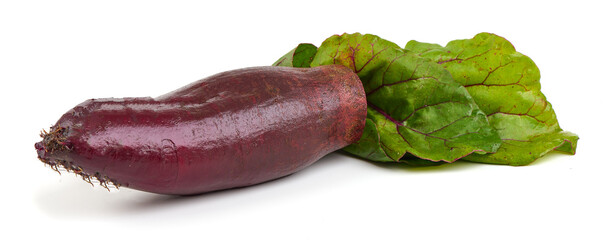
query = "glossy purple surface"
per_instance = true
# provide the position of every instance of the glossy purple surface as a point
(233, 129)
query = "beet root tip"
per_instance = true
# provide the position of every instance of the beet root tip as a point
(55, 145)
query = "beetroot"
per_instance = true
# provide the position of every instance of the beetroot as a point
(233, 129)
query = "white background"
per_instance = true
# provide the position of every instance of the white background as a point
(55, 54)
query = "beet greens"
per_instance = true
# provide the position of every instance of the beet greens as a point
(475, 99)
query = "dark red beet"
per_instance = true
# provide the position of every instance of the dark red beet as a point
(233, 129)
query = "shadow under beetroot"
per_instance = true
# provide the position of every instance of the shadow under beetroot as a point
(75, 199)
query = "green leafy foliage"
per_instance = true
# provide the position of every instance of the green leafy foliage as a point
(301, 56)
(414, 105)
(505, 84)
(476, 99)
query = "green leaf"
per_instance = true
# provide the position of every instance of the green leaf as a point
(414, 105)
(519, 153)
(505, 85)
(301, 56)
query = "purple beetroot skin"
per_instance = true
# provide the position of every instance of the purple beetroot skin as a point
(233, 129)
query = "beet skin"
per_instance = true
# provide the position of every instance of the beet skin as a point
(233, 129)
